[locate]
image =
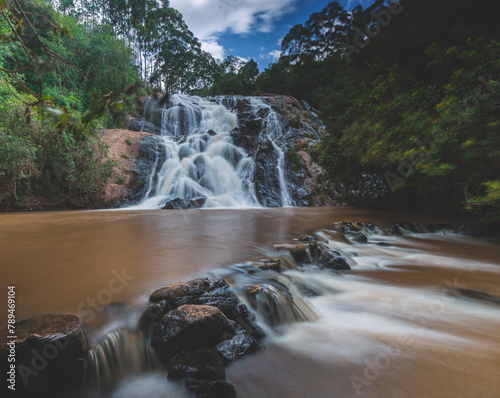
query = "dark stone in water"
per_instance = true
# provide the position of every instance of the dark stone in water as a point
(50, 351)
(177, 204)
(330, 259)
(211, 133)
(201, 364)
(181, 204)
(210, 388)
(297, 250)
(198, 202)
(358, 237)
(383, 244)
(214, 292)
(235, 348)
(190, 327)
(485, 297)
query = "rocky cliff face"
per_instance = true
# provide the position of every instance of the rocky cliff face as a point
(279, 133)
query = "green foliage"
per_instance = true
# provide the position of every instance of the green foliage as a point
(416, 107)
(38, 161)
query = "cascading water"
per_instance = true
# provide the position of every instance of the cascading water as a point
(273, 129)
(200, 159)
(195, 158)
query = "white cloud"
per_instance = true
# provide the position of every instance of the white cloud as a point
(275, 55)
(210, 45)
(207, 18)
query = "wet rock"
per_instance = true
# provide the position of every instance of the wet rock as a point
(177, 204)
(357, 237)
(395, 231)
(136, 124)
(265, 264)
(484, 297)
(49, 355)
(203, 364)
(181, 204)
(330, 259)
(383, 244)
(152, 317)
(297, 250)
(198, 203)
(204, 291)
(235, 348)
(190, 327)
(267, 181)
(210, 388)
(152, 156)
(211, 133)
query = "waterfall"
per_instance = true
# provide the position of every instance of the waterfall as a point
(197, 159)
(273, 129)
(119, 355)
(201, 160)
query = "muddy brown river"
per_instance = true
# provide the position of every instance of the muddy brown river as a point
(395, 326)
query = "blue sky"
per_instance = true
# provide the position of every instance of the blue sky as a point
(248, 28)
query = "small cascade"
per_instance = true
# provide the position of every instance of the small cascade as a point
(273, 129)
(200, 160)
(119, 355)
(277, 300)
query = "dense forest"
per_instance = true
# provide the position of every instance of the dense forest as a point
(408, 92)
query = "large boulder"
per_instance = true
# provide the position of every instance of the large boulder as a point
(214, 292)
(49, 353)
(190, 327)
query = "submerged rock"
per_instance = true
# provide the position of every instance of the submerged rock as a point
(191, 327)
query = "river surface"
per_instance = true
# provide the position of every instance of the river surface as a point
(395, 326)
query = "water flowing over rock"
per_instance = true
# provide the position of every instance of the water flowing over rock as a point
(233, 151)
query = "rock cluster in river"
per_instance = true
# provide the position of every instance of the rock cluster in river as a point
(196, 328)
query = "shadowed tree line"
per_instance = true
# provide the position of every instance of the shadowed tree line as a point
(410, 95)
